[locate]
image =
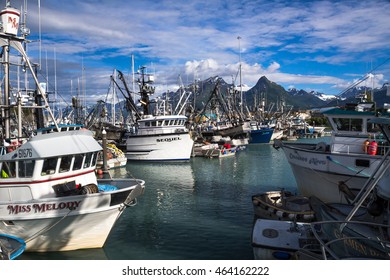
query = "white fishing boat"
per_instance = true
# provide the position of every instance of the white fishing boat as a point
(359, 230)
(353, 154)
(50, 196)
(158, 137)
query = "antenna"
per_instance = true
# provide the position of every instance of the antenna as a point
(40, 34)
(239, 47)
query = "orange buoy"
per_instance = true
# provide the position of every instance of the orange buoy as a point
(365, 146)
(100, 172)
(372, 148)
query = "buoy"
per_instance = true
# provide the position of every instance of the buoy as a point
(100, 172)
(372, 148)
(365, 146)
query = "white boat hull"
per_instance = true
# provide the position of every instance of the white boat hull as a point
(66, 223)
(159, 147)
(319, 173)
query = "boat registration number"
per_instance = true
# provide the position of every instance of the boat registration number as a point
(24, 153)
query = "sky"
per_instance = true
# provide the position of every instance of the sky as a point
(323, 46)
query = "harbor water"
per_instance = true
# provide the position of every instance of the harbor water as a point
(196, 210)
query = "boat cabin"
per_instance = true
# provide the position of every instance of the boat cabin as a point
(160, 124)
(27, 171)
(352, 130)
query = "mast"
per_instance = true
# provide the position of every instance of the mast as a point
(9, 39)
(113, 101)
(239, 47)
(132, 73)
(146, 89)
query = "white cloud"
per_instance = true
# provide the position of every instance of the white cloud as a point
(199, 38)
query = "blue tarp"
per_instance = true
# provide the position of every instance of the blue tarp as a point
(107, 188)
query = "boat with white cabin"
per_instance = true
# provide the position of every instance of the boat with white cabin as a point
(352, 155)
(50, 196)
(159, 137)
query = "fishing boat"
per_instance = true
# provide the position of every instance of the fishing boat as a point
(361, 229)
(50, 196)
(282, 205)
(260, 134)
(353, 153)
(158, 137)
(221, 118)
(11, 247)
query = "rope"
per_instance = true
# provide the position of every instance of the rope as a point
(284, 210)
(347, 167)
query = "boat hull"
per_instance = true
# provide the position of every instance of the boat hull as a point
(70, 222)
(261, 136)
(363, 238)
(319, 173)
(161, 147)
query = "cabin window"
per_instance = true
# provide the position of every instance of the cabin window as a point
(94, 160)
(169, 122)
(66, 161)
(344, 124)
(147, 123)
(87, 162)
(49, 166)
(26, 168)
(8, 169)
(372, 127)
(78, 162)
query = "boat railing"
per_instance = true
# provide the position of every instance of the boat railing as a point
(62, 127)
(350, 145)
(359, 246)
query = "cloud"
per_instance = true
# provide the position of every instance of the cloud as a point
(306, 43)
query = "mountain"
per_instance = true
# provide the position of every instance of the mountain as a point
(274, 95)
(381, 96)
